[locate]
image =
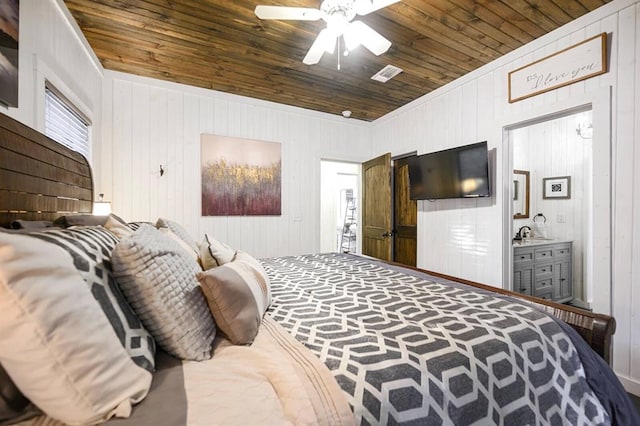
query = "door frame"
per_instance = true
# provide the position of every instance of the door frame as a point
(599, 255)
(394, 158)
(358, 199)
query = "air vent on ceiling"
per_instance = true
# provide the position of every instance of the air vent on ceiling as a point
(386, 73)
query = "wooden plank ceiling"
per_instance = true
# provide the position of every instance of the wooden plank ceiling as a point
(222, 45)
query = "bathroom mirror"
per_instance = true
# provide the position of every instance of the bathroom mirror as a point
(520, 194)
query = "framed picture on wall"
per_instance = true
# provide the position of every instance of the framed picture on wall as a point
(9, 22)
(556, 187)
(240, 177)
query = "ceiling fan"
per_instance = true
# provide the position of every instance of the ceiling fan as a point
(339, 15)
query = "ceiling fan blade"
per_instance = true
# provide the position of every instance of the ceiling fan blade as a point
(288, 13)
(325, 42)
(364, 7)
(370, 38)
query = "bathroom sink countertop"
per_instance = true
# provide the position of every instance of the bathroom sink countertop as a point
(530, 242)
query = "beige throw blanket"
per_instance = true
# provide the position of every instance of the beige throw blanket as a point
(275, 381)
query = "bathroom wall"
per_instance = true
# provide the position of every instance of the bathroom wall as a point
(552, 149)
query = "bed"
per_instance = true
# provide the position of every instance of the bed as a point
(345, 339)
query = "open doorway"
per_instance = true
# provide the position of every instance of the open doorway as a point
(339, 207)
(554, 157)
(579, 171)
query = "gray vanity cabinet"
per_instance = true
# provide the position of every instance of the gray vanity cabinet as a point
(543, 270)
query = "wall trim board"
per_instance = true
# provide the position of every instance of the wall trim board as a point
(630, 384)
(77, 32)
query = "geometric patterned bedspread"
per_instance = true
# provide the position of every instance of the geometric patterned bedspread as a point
(416, 349)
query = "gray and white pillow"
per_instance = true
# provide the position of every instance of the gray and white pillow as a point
(159, 280)
(91, 248)
(56, 343)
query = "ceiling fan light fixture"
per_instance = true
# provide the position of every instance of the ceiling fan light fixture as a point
(351, 38)
(337, 23)
(327, 40)
(338, 14)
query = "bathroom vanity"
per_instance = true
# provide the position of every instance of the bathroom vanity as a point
(542, 268)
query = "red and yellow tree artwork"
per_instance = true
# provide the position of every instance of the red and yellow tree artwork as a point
(240, 177)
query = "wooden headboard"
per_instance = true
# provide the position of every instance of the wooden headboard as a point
(40, 179)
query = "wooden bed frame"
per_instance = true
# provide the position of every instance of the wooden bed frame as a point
(42, 180)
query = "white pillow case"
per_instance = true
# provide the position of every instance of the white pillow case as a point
(55, 341)
(214, 253)
(158, 278)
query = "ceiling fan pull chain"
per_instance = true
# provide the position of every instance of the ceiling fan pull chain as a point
(339, 52)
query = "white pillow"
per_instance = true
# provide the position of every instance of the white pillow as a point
(158, 278)
(56, 343)
(214, 253)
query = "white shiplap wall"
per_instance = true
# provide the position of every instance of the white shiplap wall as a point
(50, 49)
(148, 123)
(465, 238)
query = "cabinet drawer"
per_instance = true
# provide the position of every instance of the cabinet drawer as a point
(545, 270)
(544, 289)
(544, 293)
(543, 253)
(562, 251)
(522, 256)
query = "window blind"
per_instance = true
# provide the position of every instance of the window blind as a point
(64, 123)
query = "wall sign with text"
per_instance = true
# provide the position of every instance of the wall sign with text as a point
(578, 62)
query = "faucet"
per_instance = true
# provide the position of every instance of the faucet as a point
(522, 233)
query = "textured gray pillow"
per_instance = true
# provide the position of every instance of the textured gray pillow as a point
(159, 280)
(177, 229)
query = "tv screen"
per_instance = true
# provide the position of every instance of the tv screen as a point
(461, 172)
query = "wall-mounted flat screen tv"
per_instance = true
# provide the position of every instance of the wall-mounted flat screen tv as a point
(461, 172)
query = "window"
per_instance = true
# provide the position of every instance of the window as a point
(64, 123)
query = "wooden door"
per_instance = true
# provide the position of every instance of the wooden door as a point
(376, 207)
(405, 216)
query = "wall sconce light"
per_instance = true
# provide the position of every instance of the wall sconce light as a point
(101, 207)
(585, 130)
